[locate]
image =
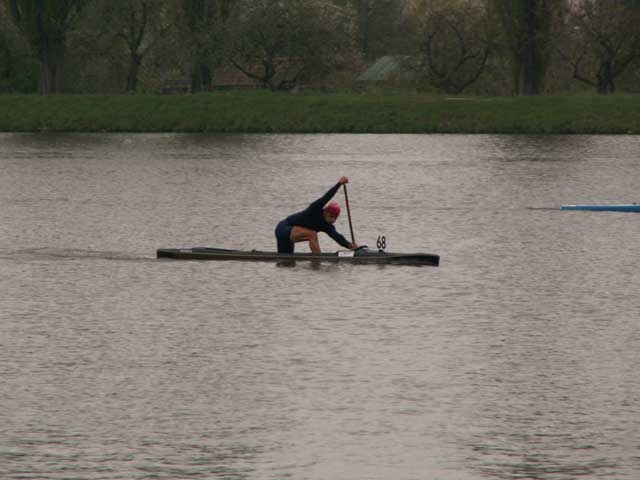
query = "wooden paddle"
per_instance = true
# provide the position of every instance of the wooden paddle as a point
(346, 199)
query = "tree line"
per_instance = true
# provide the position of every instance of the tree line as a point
(522, 47)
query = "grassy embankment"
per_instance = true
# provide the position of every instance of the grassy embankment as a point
(311, 112)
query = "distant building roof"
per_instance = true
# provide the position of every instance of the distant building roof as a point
(383, 69)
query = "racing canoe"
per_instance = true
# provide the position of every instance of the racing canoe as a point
(621, 207)
(358, 256)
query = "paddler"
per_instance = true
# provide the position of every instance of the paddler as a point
(304, 226)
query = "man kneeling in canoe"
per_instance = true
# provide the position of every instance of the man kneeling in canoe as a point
(305, 225)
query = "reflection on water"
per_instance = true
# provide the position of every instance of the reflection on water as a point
(514, 359)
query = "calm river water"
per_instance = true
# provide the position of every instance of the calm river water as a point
(516, 358)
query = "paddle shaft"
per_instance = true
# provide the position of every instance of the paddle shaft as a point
(346, 199)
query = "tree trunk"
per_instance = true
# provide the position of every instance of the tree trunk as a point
(532, 68)
(364, 14)
(606, 83)
(269, 74)
(527, 25)
(201, 76)
(51, 60)
(530, 80)
(134, 70)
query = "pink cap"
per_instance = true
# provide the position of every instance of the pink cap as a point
(333, 209)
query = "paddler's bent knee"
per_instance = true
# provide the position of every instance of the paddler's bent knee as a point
(301, 234)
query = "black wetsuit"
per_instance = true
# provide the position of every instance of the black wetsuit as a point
(312, 218)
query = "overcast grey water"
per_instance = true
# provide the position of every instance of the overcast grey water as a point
(516, 358)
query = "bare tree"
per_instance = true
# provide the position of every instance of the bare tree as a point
(280, 42)
(204, 20)
(455, 40)
(141, 28)
(138, 26)
(528, 27)
(377, 25)
(604, 41)
(45, 24)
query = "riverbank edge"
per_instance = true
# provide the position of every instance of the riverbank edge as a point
(266, 112)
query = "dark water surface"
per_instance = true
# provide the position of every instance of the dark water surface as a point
(516, 358)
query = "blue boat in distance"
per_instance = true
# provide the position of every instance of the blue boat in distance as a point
(620, 207)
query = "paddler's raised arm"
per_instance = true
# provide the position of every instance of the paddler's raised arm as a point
(329, 195)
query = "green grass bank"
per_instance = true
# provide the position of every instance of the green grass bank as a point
(321, 113)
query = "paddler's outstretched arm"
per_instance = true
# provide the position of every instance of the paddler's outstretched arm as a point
(330, 194)
(339, 239)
